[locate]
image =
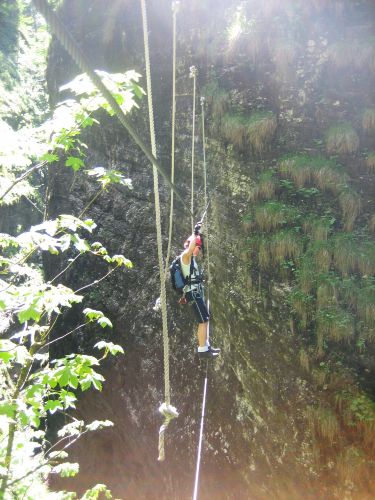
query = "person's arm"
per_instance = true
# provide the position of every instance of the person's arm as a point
(188, 252)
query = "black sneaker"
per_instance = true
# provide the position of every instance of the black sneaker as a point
(208, 354)
(215, 350)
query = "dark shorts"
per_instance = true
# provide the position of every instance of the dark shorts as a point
(195, 298)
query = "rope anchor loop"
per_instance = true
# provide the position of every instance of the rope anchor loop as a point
(169, 412)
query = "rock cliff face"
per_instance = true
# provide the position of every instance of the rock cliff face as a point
(290, 124)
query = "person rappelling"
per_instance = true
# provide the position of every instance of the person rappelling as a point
(187, 278)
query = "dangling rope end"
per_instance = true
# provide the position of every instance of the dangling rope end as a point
(175, 6)
(169, 412)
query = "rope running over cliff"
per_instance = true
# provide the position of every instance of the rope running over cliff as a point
(79, 57)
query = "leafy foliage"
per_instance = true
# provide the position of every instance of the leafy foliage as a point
(35, 304)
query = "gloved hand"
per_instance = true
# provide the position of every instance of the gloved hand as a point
(197, 228)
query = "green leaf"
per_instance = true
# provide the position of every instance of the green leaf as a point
(122, 261)
(80, 244)
(73, 381)
(53, 405)
(22, 355)
(7, 350)
(67, 469)
(92, 314)
(49, 157)
(7, 409)
(68, 399)
(103, 322)
(72, 429)
(99, 424)
(29, 311)
(110, 347)
(96, 492)
(74, 162)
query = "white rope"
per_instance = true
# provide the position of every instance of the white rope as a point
(199, 453)
(175, 8)
(200, 442)
(168, 411)
(193, 75)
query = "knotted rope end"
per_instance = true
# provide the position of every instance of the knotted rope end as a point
(169, 412)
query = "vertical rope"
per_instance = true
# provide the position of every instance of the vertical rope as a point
(207, 249)
(200, 442)
(167, 411)
(199, 453)
(175, 8)
(193, 75)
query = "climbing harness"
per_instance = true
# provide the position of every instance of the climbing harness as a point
(168, 411)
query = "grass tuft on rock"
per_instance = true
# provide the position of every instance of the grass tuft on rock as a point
(233, 128)
(323, 421)
(368, 120)
(333, 323)
(317, 227)
(303, 169)
(366, 302)
(260, 129)
(272, 214)
(217, 98)
(351, 53)
(370, 161)
(371, 224)
(285, 244)
(350, 203)
(266, 186)
(345, 253)
(341, 138)
(304, 360)
(255, 130)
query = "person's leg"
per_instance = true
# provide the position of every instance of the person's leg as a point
(202, 334)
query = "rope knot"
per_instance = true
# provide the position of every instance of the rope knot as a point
(169, 412)
(193, 72)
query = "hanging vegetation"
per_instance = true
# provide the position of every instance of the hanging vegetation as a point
(323, 422)
(261, 127)
(303, 168)
(266, 185)
(350, 203)
(370, 161)
(255, 130)
(317, 227)
(368, 120)
(341, 138)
